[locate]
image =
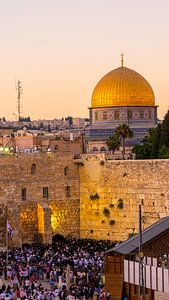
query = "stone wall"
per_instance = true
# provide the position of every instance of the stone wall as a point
(60, 207)
(90, 197)
(110, 192)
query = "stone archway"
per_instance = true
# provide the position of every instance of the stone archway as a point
(44, 223)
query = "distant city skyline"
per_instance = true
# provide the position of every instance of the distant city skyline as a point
(59, 50)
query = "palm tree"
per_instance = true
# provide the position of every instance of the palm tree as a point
(124, 132)
(113, 142)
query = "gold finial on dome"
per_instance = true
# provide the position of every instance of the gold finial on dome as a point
(122, 59)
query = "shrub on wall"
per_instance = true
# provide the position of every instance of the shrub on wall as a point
(106, 212)
(130, 234)
(112, 222)
(125, 174)
(94, 196)
(120, 203)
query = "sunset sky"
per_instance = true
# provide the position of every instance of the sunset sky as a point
(60, 49)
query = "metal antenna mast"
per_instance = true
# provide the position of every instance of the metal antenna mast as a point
(19, 90)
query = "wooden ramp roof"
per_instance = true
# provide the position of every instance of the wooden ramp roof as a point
(148, 234)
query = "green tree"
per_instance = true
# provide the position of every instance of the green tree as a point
(142, 151)
(163, 152)
(156, 144)
(154, 140)
(150, 145)
(164, 140)
(113, 142)
(124, 132)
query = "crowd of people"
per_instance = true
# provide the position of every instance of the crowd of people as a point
(67, 269)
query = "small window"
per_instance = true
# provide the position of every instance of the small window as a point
(105, 115)
(96, 116)
(103, 149)
(66, 171)
(45, 192)
(130, 114)
(67, 190)
(23, 194)
(95, 149)
(141, 115)
(116, 115)
(56, 147)
(33, 169)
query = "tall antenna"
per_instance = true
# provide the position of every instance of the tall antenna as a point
(19, 90)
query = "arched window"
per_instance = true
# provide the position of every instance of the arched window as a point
(95, 149)
(67, 191)
(66, 171)
(33, 169)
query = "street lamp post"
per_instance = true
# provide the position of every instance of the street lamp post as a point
(141, 255)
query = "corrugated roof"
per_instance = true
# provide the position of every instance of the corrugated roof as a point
(148, 234)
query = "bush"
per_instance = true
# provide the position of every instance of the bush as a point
(106, 212)
(120, 203)
(94, 196)
(130, 234)
(111, 205)
(112, 222)
(102, 162)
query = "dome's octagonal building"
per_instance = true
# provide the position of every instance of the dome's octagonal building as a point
(121, 96)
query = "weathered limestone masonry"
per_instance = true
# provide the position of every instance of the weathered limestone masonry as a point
(41, 192)
(110, 192)
(44, 193)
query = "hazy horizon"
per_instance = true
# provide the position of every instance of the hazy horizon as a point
(59, 50)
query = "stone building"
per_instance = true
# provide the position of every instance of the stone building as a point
(40, 194)
(121, 96)
(29, 141)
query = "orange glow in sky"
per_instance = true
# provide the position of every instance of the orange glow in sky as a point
(60, 49)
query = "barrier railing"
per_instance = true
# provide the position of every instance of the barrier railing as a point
(155, 278)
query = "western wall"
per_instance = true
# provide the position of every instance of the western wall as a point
(88, 197)
(111, 190)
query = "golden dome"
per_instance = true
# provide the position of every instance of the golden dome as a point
(123, 87)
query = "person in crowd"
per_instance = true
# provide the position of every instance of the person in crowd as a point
(67, 269)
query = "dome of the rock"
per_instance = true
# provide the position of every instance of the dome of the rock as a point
(123, 87)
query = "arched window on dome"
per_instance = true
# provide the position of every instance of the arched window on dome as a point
(130, 114)
(95, 149)
(103, 149)
(104, 115)
(116, 115)
(96, 115)
(149, 114)
(33, 169)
